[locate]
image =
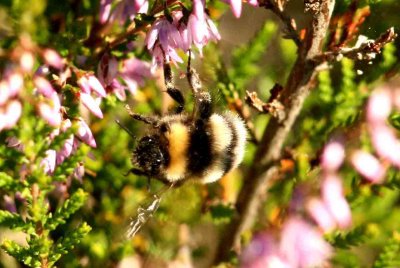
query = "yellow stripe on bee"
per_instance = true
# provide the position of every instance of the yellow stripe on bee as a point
(221, 133)
(178, 137)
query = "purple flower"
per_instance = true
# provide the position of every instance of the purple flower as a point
(163, 39)
(105, 10)
(26, 61)
(320, 213)
(43, 86)
(332, 156)
(89, 83)
(107, 72)
(85, 134)
(15, 143)
(200, 28)
(49, 110)
(300, 245)
(386, 143)
(92, 104)
(379, 106)
(52, 58)
(123, 10)
(79, 171)
(10, 112)
(134, 72)
(335, 202)
(49, 162)
(236, 7)
(368, 166)
(263, 252)
(303, 246)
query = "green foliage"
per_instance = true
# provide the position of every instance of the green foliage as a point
(389, 256)
(222, 213)
(71, 205)
(245, 59)
(345, 240)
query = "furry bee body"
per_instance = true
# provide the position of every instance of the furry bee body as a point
(203, 146)
(193, 149)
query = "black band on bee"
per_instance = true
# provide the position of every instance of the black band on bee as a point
(200, 154)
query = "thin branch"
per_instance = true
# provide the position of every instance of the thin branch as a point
(277, 7)
(265, 165)
(363, 50)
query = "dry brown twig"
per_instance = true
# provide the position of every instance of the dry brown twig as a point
(266, 163)
(363, 50)
(278, 8)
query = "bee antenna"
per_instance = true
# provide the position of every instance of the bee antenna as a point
(125, 128)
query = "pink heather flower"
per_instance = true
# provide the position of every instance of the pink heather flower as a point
(368, 166)
(303, 246)
(163, 39)
(107, 72)
(332, 156)
(26, 61)
(386, 143)
(236, 7)
(334, 200)
(319, 212)
(262, 252)
(105, 10)
(65, 151)
(92, 104)
(200, 28)
(49, 162)
(177, 16)
(79, 171)
(89, 82)
(253, 3)
(43, 86)
(134, 72)
(9, 204)
(52, 58)
(15, 82)
(15, 143)
(125, 9)
(165, 33)
(49, 110)
(10, 112)
(379, 106)
(85, 134)
(107, 69)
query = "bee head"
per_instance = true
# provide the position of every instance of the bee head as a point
(150, 154)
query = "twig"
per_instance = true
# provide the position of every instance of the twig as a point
(265, 165)
(277, 7)
(363, 50)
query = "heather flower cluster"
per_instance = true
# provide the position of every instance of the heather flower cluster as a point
(300, 242)
(54, 158)
(133, 73)
(297, 244)
(168, 35)
(386, 145)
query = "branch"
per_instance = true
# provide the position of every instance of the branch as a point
(265, 165)
(363, 50)
(277, 7)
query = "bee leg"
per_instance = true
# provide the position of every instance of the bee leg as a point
(203, 104)
(150, 120)
(172, 91)
(135, 171)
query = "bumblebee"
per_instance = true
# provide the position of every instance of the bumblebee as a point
(201, 145)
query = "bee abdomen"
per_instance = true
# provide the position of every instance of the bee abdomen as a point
(228, 138)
